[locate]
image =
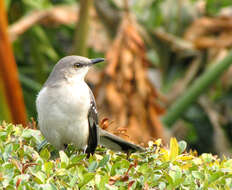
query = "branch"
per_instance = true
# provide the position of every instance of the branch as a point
(182, 47)
(53, 16)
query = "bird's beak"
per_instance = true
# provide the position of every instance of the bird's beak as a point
(97, 60)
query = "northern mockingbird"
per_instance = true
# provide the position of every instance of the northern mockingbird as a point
(67, 110)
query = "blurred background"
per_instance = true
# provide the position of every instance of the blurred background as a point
(167, 71)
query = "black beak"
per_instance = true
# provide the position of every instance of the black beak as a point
(97, 60)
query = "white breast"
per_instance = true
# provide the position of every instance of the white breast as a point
(62, 114)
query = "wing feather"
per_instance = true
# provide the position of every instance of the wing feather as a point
(93, 126)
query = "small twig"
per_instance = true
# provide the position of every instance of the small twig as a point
(18, 183)
(32, 124)
(176, 43)
(27, 165)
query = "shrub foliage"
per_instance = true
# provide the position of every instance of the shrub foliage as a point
(22, 166)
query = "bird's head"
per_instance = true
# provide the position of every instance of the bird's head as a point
(72, 67)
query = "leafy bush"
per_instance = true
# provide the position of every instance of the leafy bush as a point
(23, 167)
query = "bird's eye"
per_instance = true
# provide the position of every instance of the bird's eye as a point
(77, 65)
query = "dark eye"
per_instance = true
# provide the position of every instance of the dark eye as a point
(77, 65)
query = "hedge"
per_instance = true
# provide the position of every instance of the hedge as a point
(23, 167)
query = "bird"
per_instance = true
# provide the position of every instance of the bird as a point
(67, 112)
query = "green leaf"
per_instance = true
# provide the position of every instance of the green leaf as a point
(104, 160)
(92, 167)
(162, 186)
(45, 154)
(228, 163)
(174, 149)
(86, 179)
(207, 157)
(49, 186)
(27, 133)
(144, 168)
(3, 135)
(104, 180)
(73, 181)
(114, 167)
(77, 159)
(176, 175)
(40, 177)
(198, 175)
(48, 167)
(64, 159)
(182, 146)
(119, 167)
(215, 176)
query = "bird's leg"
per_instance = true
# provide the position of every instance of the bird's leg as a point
(128, 153)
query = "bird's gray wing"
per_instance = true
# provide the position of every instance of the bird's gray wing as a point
(93, 126)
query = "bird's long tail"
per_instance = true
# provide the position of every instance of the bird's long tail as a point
(116, 143)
